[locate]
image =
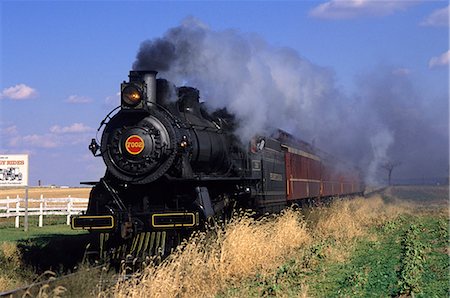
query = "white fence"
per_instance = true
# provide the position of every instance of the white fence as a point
(44, 206)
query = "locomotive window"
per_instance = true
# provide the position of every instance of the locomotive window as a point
(261, 144)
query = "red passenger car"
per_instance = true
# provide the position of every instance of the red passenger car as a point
(307, 173)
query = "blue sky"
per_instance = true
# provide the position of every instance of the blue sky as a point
(62, 62)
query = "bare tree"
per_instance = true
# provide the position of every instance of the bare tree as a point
(389, 167)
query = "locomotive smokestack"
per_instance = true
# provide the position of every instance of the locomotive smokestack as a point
(150, 82)
(149, 79)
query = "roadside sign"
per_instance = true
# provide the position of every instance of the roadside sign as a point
(14, 170)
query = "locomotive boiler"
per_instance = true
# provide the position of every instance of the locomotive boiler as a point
(171, 166)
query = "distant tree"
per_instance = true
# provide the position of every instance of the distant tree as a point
(389, 167)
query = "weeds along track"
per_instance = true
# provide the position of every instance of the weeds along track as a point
(248, 255)
(54, 286)
(209, 263)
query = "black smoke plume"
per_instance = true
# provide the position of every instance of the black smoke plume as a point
(269, 87)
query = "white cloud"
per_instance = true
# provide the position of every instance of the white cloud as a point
(9, 131)
(59, 136)
(348, 9)
(19, 91)
(40, 141)
(437, 18)
(74, 128)
(441, 60)
(78, 99)
(113, 100)
(401, 71)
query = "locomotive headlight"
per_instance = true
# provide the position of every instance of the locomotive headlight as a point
(131, 95)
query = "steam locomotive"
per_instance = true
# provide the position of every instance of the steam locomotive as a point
(172, 166)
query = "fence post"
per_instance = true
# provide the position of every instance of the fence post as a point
(7, 207)
(69, 210)
(41, 212)
(17, 214)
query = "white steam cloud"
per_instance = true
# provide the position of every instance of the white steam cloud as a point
(380, 143)
(268, 87)
(253, 80)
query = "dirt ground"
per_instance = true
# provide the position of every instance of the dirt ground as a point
(47, 192)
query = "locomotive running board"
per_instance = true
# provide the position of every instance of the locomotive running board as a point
(175, 220)
(88, 182)
(86, 222)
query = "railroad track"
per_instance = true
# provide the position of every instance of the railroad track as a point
(376, 191)
(33, 289)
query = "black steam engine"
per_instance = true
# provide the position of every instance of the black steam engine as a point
(170, 167)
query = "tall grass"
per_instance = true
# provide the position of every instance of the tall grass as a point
(13, 273)
(244, 247)
(206, 265)
(347, 219)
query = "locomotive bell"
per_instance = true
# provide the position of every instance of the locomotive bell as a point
(140, 91)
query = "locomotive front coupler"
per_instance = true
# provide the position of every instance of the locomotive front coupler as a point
(130, 225)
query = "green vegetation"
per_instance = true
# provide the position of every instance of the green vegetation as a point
(420, 193)
(26, 256)
(53, 225)
(404, 256)
(13, 234)
(398, 260)
(391, 245)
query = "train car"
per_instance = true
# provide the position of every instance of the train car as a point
(292, 171)
(171, 166)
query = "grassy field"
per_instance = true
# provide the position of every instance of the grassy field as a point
(54, 225)
(26, 256)
(48, 192)
(390, 245)
(393, 244)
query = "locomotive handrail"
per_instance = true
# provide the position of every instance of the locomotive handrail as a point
(175, 119)
(210, 178)
(103, 122)
(114, 195)
(206, 128)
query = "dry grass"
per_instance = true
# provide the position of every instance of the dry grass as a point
(48, 193)
(346, 219)
(35, 192)
(208, 264)
(11, 253)
(11, 260)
